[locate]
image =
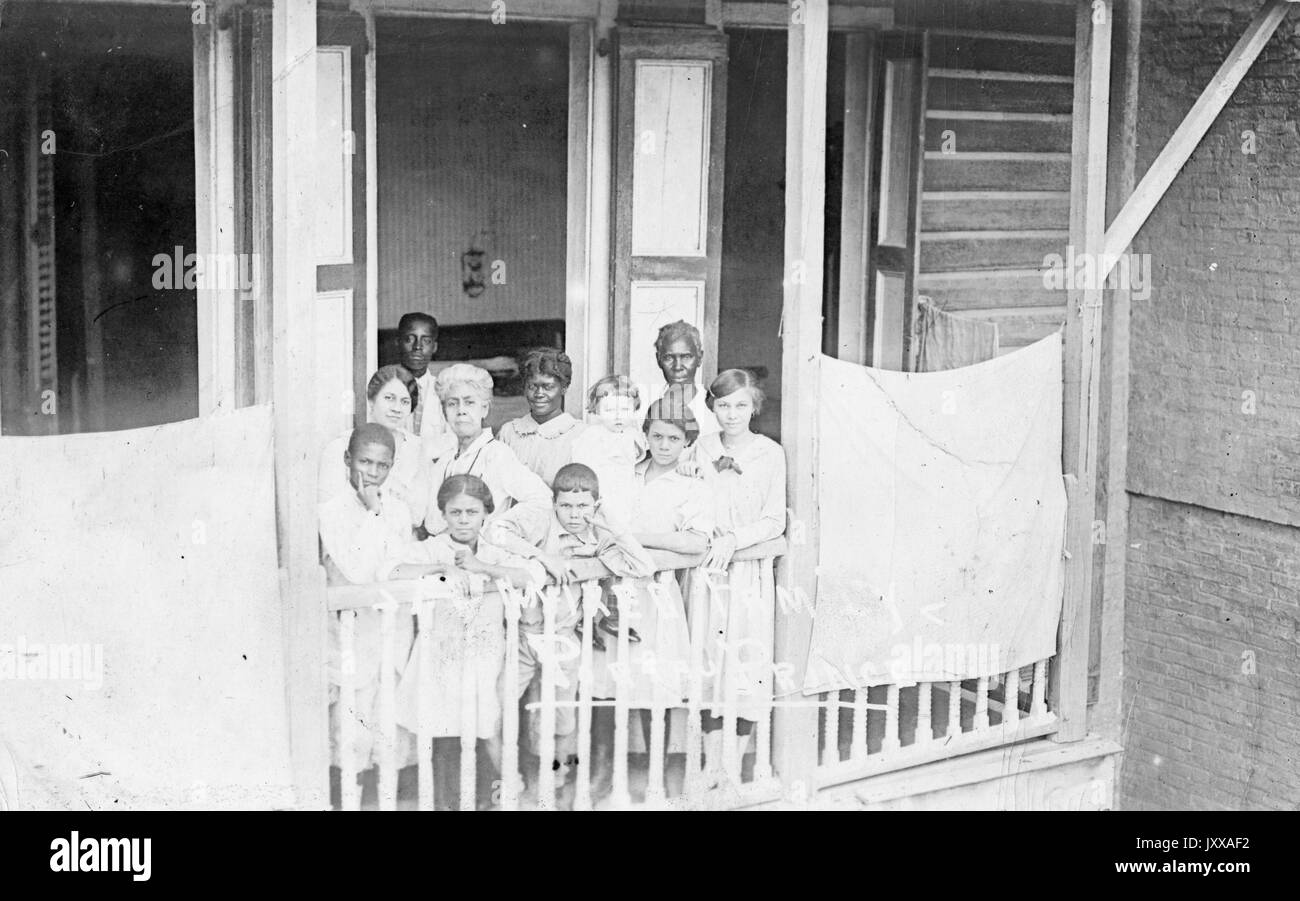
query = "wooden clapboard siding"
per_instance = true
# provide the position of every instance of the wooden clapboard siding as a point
(942, 251)
(971, 210)
(964, 172)
(989, 135)
(976, 289)
(960, 51)
(997, 94)
(996, 203)
(1033, 18)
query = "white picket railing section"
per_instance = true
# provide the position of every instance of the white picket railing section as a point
(875, 730)
(715, 775)
(864, 732)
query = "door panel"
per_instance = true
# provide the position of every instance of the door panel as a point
(340, 239)
(671, 122)
(892, 258)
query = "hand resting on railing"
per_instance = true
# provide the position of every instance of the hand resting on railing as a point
(354, 597)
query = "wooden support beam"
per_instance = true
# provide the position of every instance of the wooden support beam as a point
(794, 745)
(597, 354)
(1181, 145)
(1083, 362)
(843, 17)
(293, 105)
(372, 199)
(578, 297)
(514, 10)
(215, 234)
(1108, 713)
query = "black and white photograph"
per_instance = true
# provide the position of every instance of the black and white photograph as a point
(650, 405)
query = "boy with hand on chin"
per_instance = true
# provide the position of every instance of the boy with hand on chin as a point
(366, 537)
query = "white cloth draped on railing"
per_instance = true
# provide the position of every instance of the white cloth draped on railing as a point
(942, 520)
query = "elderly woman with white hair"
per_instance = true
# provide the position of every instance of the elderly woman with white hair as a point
(465, 392)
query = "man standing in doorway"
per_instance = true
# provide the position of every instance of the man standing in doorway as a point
(679, 351)
(417, 337)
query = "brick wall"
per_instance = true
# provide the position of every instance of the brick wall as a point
(1214, 462)
(1210, 597)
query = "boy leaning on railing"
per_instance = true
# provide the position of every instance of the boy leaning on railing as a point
(577, 528)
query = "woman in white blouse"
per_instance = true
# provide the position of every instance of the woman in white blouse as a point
(465, 392)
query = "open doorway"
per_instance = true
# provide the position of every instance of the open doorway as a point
(97, 179)
(473, 160)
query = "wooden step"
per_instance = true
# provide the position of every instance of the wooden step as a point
(965, 210)
(954, 172)
(1025, 249)
(1052, 136)
(1017, 16)
(1003, 96)
(961, 51)
(989, 288)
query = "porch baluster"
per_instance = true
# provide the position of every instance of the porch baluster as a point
(621, 798)
(1011, 699)
(510, 708)
(468, 717)
(858, 750)
(763, 728)
(924, 724)
(387, 707)
(891, 742)
(697, 610)
(424, 740)
(982, 704)
(954, 710)
(546, 740)
(1038, 704)
(349, 765)
(582, 789)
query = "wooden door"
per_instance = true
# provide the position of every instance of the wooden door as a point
(894, 245)
(340, 252)
(671, 120)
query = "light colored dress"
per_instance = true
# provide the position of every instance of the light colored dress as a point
(513, 485)
(407, 480)
(542, 448)
(658, 665)
(464, 638)
(740, 620)
(612, 456)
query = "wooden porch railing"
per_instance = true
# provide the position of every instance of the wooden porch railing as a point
(864, 732)
(713, 776)
(890, 727)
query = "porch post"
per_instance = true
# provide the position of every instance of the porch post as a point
(596, 359)
(214, 162)
(1083, 361)
(293, 105)
(794, 735)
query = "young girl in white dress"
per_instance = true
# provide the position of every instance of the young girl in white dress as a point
(462, 648)
(747, 474)
(611, 446)
(674, 513)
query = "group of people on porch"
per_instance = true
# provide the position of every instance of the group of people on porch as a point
(425, 489)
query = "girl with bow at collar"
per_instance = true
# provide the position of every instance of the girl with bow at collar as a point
(746, 472)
